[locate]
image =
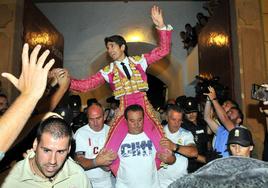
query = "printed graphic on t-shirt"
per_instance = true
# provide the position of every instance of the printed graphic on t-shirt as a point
(141, 148)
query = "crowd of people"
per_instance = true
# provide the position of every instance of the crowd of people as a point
(128, 145)
(190, 35)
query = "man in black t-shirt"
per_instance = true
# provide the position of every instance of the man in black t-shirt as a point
(198, 128)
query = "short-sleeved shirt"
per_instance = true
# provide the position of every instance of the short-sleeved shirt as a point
(221, 141)
(137, 163)
(172, 172)
(89, 143)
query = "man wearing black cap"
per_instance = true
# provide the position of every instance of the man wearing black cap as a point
(198, 127)
(240, 142)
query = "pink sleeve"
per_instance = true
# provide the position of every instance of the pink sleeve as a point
(163, 48)
(88, 83)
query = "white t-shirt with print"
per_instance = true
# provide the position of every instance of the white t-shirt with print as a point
(137, 163)
(170, 173)
(91, 142)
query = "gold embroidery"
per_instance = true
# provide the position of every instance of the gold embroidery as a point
(123, 86)
(106, 68)
(137, 58)
(152, 114)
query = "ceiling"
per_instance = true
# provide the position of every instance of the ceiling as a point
(57, 1)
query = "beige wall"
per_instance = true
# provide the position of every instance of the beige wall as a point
(249, 63)
(10, 41)
(264, 10)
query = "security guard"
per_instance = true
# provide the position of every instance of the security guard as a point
(198, 127)
(240, 142)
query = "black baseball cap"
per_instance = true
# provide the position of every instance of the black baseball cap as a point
(190, 105)
(241, 136)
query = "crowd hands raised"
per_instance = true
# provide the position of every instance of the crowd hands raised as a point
(185, 144)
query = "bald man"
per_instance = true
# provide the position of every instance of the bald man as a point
(90, 140)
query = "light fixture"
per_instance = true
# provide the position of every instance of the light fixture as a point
(44, 38)
(136, 35)
(218, 39)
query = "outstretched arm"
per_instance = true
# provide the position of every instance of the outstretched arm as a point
(103, 159)
(62, 78)
(31, 83)
(88, 83)
(163, 48)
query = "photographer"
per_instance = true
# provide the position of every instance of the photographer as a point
(229, 120)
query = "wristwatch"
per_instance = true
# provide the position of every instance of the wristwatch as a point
(177, 148)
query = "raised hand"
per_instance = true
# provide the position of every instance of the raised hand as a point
(59, 76)
(63, 78)
(157, 16)
(212, 93)
(33, 79)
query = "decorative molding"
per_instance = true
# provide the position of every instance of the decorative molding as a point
(6, 15)
(248, 12)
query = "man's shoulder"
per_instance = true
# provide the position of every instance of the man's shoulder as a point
(73, 166)
(137, 59)
(185, 131)
(16, 174)
(108, 68)
(181, 130)
(75, 172)
(19, 166)
(84, 128)
(106, 127)
(221, 129)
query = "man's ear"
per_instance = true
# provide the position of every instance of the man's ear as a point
(35, 144)
(69, 149)
(238, 121)
(123, 47)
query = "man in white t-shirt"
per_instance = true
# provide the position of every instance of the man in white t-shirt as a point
(90, 140)
(181, 142)
(137, 154)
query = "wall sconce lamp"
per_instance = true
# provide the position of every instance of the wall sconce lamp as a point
(135, 36)
(44, 38)
(218, 39)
